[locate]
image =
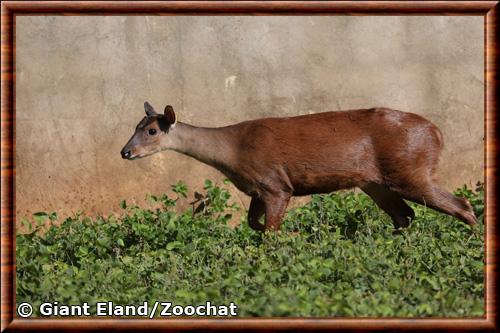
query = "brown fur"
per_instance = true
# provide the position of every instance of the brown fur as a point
(391, 155)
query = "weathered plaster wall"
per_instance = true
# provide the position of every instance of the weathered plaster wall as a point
(81, 83)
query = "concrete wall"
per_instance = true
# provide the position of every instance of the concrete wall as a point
(81, 83)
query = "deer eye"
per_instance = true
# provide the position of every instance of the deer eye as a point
(152, 131)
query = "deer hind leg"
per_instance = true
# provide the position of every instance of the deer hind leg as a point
(435, 197)
(391, 203)
(256, 210)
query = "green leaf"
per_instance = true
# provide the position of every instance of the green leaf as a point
(180, 188)
(207, 184)
(174, 245)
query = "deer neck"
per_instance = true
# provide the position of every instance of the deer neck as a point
(208, 145)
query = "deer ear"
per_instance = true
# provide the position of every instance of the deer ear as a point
(170, 115)
(150, 111)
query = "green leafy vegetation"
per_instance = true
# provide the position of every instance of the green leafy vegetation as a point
(335, 256)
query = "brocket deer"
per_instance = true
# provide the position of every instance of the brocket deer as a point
(390, 155)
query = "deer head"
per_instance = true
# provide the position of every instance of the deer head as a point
(151, 134)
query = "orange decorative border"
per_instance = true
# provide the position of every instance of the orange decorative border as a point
(10, 9)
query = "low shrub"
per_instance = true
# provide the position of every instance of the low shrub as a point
(335, 256)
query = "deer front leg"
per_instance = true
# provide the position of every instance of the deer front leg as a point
(275, 206)
(255, 211)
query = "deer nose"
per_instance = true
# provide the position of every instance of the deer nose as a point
(125, 153)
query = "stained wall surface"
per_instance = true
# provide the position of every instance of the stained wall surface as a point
(81, 83)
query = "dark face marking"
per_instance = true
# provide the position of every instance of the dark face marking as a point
(163, 124)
